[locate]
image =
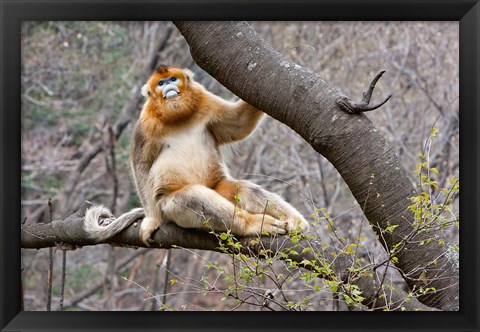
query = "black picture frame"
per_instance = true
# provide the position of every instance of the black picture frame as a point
(467, 12)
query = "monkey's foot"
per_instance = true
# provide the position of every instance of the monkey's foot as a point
(147, 227)
(299, 225)
(260, 223)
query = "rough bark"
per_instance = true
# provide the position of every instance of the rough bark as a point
(236, 56)
(69, 233)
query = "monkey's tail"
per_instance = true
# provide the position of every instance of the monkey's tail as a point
(100, 224)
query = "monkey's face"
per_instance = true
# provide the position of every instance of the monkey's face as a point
(167, 84)
(169, 87)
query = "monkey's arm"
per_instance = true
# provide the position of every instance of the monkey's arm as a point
(232, 121)
(143, 152)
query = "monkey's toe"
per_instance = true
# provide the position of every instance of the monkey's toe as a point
(275, 226)
(145, 237)
(298, 225)
(147, 227)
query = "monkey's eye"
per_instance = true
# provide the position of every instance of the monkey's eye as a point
(173, 79)
(161, 83)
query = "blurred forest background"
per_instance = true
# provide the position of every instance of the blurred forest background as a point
(81, 92)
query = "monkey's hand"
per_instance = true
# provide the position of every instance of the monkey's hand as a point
(147, 227)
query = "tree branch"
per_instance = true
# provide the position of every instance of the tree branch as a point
(352, 107)
(69, 233)
(245, 64)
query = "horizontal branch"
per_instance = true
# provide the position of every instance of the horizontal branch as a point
(69, 233)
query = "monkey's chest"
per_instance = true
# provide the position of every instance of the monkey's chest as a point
(189, 156)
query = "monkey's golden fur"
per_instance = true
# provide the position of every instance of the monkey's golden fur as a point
(179, 169)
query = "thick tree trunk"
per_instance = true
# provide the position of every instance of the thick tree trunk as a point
(236, 56)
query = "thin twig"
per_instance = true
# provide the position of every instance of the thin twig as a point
(64, 268)
(160, 260)
(50, 262)
(167, 276)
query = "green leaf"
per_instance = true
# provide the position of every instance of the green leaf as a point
(434, 170)
(390, 228)
(223, 236)
(350, 248)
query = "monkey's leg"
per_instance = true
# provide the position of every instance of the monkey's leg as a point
(196, 206)
(254, 199)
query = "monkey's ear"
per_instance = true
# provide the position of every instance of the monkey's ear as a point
(189, 74)
(145, 90)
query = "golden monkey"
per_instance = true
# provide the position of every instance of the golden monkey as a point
(179, 168)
